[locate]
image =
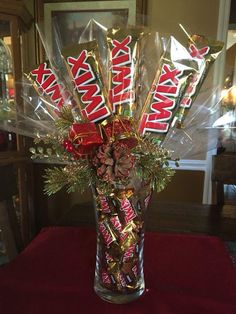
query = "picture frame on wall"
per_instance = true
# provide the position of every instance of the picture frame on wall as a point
(71, 17)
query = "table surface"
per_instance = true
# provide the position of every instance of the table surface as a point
(184, 274)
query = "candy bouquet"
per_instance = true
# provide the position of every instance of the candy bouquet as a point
(102, 112)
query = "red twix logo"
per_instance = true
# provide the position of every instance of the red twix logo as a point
(48, 85)
(105, 233)
(128, 210)
(88, 88)
(104, 205)
(198, 54)
(164, 101)
(129, 253)
(116, 223)
(105, 277)
(121, 73)
(108, 257)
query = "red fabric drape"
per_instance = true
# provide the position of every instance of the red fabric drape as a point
(184, 274)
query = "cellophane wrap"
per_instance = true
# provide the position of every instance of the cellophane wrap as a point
(141, 80)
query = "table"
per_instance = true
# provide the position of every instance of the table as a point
(184, 274)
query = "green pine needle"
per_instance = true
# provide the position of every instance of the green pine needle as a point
(65, 120)
(152, 164)
(73, 177)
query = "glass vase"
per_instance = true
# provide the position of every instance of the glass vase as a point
(120, 222)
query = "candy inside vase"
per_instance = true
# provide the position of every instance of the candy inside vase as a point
(120, 218)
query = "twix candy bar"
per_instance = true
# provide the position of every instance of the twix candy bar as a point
(124, 58)
(175, 68)
(46, 84)
(205, 52)
(84, 67)
(107, 233)
(104, 205)
(106, 278)
(128, 210)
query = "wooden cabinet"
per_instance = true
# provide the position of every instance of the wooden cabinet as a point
(223, 172)
(15, 164)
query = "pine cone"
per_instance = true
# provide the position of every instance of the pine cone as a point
(113, 162)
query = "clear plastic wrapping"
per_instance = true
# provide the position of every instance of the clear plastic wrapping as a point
(159, 74)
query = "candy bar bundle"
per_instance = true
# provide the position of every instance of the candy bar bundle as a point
(106, 121)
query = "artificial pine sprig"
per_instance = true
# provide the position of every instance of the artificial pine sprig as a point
(50, 149)
(73, 177)
(152, 163)
(65, 119)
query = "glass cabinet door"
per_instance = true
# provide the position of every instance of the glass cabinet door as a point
(7, 89)
(15, 166)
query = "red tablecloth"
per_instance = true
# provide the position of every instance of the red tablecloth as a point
(184, 274)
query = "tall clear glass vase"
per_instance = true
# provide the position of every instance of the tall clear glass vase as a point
(120, 220)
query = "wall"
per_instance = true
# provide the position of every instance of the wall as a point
(29, 56)
(199, 17)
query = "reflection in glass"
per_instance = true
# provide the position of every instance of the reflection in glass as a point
(71, 24)
(7, 92)
(3, 252)
(227, 120)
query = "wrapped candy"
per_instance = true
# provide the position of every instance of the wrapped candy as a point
(86, 73)
(205, 52)
(124, 60)
(129, 212)
(53, 91)
(108, 235)
(46, 83)
(162, 102)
